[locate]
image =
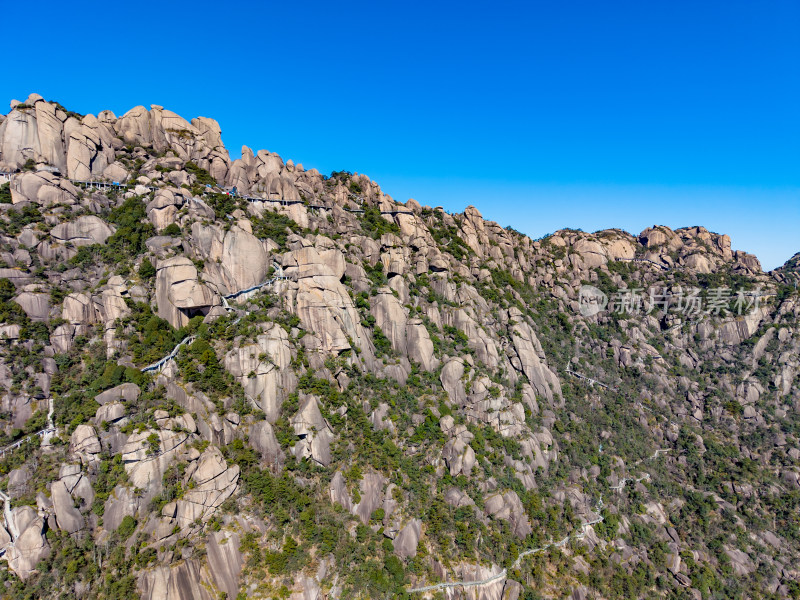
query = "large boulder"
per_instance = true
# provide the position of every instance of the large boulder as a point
(33, 130)
(84, 444)
(314, 432)
(35, 305)
(83, 231)
(213, 482)
(508, 507)
(29, 544)
(90, 148)
(126, 392)
(179, 294)
(405, 543)
(78, 309)
(146, 463)
(68, 517)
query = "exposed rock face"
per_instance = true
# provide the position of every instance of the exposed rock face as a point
(179, 294)
(529, 356)
(323, 304)
(405, 544)
(213, 483)
(262, 437)
(43, 133)
(314, 432)
(29, 544)
(44, 189)
(371, 488)
(508, 507)
(457, 453)
(35, 305)
(126, 392)
(33, 133)
(235, 259)
(338, 492)
(263, 369)
(68, 517)
(144, 464)
(84, 444)
(78, 309)
(179, 582)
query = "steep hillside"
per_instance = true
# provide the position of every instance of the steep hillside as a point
(250, 380)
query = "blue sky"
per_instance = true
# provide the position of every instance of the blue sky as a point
(542, 114)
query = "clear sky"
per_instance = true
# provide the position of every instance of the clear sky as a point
(541, 114)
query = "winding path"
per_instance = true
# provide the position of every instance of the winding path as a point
(159, 364)
(590, 380)
(577, 536)
(45, 433)
(156, 366)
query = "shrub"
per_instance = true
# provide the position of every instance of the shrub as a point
(374, 225)
(5, 193)
(275, 226)
(173, 229)
(146, 269)
(126, 527)
(203, 176)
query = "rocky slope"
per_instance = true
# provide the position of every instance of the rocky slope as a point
(356, 398)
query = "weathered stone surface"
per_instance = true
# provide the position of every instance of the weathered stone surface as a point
(120, 504)
(420, 346)
(109, 412)
(457, 453)
(214, 482)
(35, 305)
(225, 561)
(182, 581)
(339, 493)
(145, 465)
(314, 432)
(263, 370)
(262, 437)
(371, 490)
(451, 375)
(323, 304)
(78, 309)
(29, 542)
(391, 317)
(405, 544)
(507, 506)
(529, 354)
(84, 444)
(83, 231)
(126, 392)
(741, 563)
(32, 133)
(68, 517)
(179, 294)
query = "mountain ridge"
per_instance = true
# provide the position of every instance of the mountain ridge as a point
(361, 398)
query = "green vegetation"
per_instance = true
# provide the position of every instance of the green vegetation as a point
(374, 225)
(275, 226)
(203, 176)
(5, 193)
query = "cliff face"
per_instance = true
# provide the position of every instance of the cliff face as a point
(309, 390)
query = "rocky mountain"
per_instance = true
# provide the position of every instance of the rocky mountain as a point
(244, 379)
